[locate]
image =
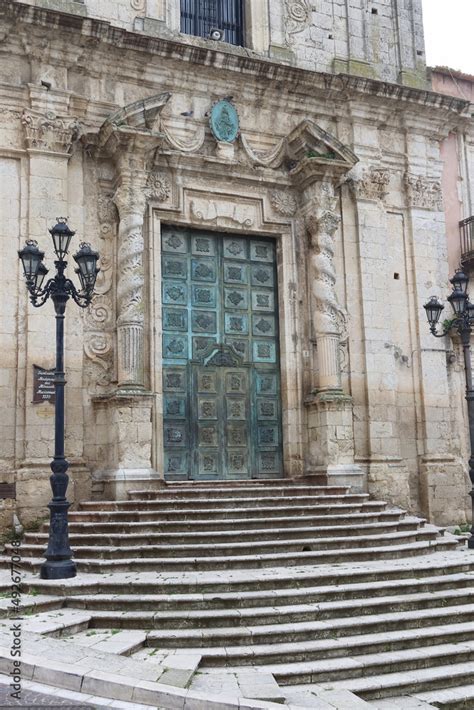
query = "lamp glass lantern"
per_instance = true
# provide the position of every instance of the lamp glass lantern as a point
(62, 236)
(458, 301)
(31, 258)
(86, 259)
(433, 311)
(459, 281)
(40, 276)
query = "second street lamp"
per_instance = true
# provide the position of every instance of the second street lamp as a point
(463, 322)
(59, 563)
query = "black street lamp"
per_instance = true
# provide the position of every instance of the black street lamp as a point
(59, 563)
(463, 321)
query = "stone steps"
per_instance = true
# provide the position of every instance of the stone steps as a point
(360, 666)
(314, 586)
(238, 582)
(258, 561)
(219, 549)
(270, 655)
(287, 632)
(295, 613)
(284, 506)
(261, 503)
(458, 698)
(414, 681)
(250, 523)
(169, 538)
(250, 599)
(250, 491)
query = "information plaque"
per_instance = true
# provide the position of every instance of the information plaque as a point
(43, 385)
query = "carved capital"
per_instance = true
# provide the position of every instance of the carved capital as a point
(49, 132)
(371, 184)
(423, 192)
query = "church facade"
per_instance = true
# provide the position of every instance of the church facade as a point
(264, 186)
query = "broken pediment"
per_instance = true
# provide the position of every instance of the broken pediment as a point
(305, 148)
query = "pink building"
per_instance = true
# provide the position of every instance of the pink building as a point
(457, 151)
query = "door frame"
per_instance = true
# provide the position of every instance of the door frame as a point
(290, 309)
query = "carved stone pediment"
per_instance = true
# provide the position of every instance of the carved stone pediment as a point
(308, 151)
(143, 114)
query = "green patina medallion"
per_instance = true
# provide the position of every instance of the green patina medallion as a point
(224, 121)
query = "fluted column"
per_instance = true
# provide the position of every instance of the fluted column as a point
(322, 221)
(130, 199)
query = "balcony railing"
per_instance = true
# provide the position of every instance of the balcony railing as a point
(466, 228)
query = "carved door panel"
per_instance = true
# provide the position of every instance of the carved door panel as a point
(221, 376)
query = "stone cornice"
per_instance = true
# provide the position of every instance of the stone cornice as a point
(226, 59)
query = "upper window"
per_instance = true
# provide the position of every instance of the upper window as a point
(201, 17)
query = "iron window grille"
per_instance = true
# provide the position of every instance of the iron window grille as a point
(199, 17)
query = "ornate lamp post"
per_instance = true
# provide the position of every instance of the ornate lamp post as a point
(59, 563)
(463, 321)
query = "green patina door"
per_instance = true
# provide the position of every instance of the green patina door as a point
(221, 370)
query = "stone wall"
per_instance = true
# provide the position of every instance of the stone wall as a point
(345, 174)
(380, 39)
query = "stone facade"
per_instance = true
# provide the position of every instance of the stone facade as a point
(105, 119)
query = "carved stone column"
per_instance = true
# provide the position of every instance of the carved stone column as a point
(322, 221)
(130, 200)
(330, 425)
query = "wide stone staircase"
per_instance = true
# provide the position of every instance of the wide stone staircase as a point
(313, 585)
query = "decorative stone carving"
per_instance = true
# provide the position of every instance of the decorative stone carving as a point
(423, 192)
(130, 199)
(298, 14)
(283, 202)
(158, 186)
(98, 347)
(49, 132)
(106, 210)
(372, 184)
(99, 318)
(222, 213)
(322, 221)
(138, 5)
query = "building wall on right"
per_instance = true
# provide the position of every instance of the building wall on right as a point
(457, 151)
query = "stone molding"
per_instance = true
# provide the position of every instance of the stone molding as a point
(49, 132)
(372, 184)
(423, 192)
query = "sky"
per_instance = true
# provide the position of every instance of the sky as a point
(449, 33)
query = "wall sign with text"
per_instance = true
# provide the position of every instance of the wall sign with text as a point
(43, 385)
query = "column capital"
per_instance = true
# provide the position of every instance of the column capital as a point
(47, 132)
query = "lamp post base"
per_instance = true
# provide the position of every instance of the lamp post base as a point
(58, 569)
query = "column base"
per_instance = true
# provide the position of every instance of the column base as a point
(345, 475)
(331, 439)
(116, 483)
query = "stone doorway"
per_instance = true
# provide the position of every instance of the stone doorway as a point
(221, 367)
